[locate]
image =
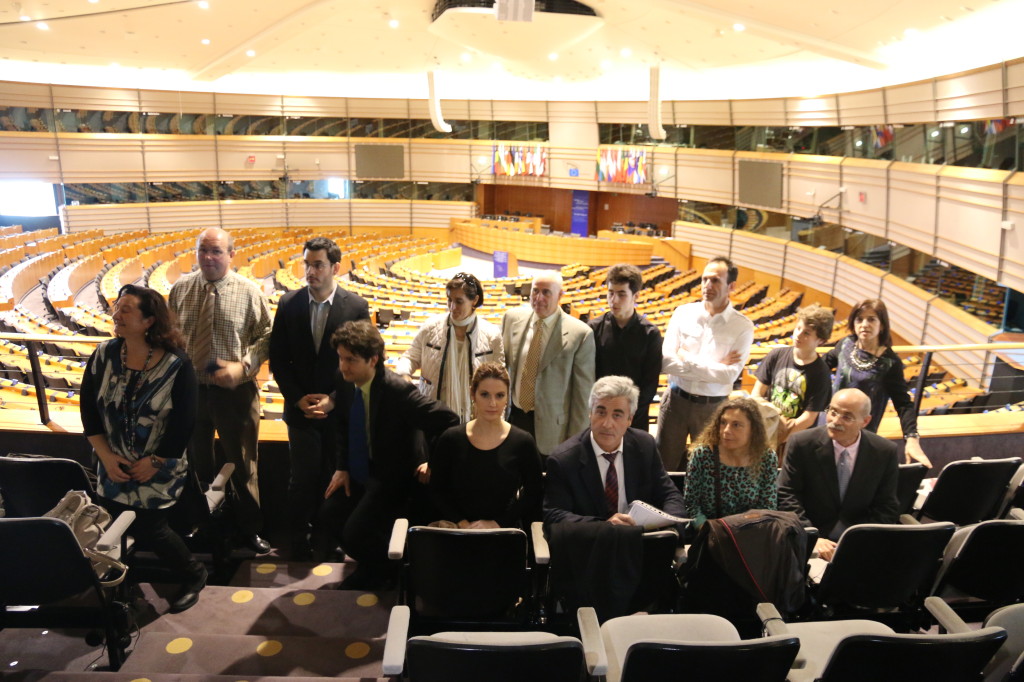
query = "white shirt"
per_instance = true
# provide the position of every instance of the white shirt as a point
(549, 323)
(707, 339)
(620, 471)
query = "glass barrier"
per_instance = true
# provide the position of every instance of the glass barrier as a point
(26, 119)
(105, 193)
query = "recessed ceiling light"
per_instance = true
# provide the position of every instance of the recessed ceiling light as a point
(553, 56)
(25, 17)
(250, 53)
(93, 2)
(858, 143)
(606, 64)
(964, 130)
(739, 27)
(911, 33)
(466, 57)
(114, 65)
(625, 53)
(205, 41)
(203, 4)
(393, 23)
(935, 133)
(42, 26)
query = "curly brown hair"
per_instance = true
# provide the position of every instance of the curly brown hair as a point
(164, 332)
(758, 446)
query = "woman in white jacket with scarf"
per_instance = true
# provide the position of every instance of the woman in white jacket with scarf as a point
(449, 347)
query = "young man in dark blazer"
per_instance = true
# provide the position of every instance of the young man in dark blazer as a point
(384, 427)
(304, 364)
(812, 479)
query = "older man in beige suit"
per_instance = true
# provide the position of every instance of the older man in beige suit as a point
(550, 359)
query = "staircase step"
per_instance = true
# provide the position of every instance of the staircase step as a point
(276, 573)
(254, 655)
(281, 611)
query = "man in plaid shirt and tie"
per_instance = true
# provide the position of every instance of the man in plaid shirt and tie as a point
(226, 322)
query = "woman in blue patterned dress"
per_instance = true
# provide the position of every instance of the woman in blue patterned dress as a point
(138, 407)
(731, 468)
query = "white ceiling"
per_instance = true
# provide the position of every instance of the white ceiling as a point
(385, 48)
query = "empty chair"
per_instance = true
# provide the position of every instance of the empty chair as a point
(984, 561)
(462, 577)
(473, 656)
(881, 566)
(56, 577)
(644, 648)
(32, 486)
(907, 484)
(968, 491)
(859, 650)
(1008, 663)
(1014, 496)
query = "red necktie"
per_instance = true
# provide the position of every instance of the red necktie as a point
(611, 483)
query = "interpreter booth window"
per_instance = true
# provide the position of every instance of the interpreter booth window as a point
(76, 194)
(26, 119)
(316, 126)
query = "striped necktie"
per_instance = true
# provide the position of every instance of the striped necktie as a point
(611, 483)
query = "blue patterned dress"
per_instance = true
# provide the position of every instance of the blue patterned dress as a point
(158, 420)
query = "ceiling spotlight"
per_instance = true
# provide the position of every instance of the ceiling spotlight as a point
(466, 57)
(858, 143)
(93, 2)
(250, 53)
(205, 41)
(739, 27)
(25, 17)
(625, 53)
(935, 133)
(553, 56)
(393, 23)
(203, 4)
(115, 65)
(964, 130)
(42, 26)
(606, 64)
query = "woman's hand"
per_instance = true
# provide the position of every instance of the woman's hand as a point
(483, 524)
(143, 470)
(113, 465)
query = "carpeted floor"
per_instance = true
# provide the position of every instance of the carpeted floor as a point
(275, 619)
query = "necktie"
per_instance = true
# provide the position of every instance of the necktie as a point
(528, 380)
(358, 444)
(611, 483)
(202, 347)
(843, 471)
(317, 322)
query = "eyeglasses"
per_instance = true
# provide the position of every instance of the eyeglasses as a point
(317, 265)
(845, 417)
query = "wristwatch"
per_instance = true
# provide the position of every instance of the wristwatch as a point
(155, 462)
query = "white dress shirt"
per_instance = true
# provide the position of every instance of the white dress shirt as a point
(620, 471)
(707, 339)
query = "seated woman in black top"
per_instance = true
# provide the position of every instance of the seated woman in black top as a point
(486, 473)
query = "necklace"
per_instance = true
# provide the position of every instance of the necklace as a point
(857, 360)
(129, 411)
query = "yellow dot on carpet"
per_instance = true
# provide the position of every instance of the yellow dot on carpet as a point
(179, 645)
(304, 599)
(141, 679)
(271, 647)
(367, 600)
(266, 568)
(242, 596)
(323, 569)
(357, 650)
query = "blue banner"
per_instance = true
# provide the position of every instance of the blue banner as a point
(580, 212)
(500, 264)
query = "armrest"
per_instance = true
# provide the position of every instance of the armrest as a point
(593, 645)
(396, 548)
(541, 551)
(946, 616)
(771, 619)
(1017, 513)
(908, 520)
(394, 644)
(110, 542)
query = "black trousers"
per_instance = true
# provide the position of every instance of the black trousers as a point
(362, 521)
(311, 453)
(151, 531)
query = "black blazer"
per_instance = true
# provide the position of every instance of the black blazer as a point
(298, 369)
(403, 424)
(809, 486)
(574, 490)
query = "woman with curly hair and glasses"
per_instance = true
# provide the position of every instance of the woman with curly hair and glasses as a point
(731, 469)
(449, 347)
(138, 406)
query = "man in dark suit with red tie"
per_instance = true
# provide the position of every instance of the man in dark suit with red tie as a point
(595, 474)
(304, 364)
(383, 423)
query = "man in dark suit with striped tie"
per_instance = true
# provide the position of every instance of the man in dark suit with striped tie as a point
(304, 364)
(383, 424)
(597, 473)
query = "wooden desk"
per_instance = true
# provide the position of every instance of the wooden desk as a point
(556, 250)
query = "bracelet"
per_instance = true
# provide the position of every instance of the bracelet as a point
(157, 464)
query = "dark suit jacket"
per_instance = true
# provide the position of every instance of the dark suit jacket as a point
(298, 368)
(809, 486)
(403, 423)
(574, 490)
